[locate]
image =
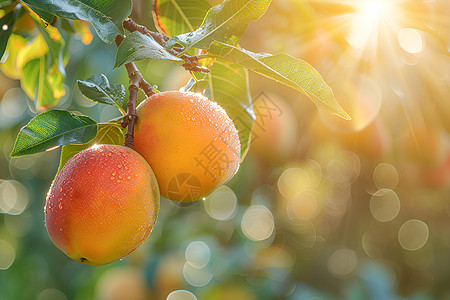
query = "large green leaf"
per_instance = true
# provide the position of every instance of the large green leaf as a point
(291, 71)
(225, 22)
(105, 15)
(97, 88)
(53, 128)
(108, 133)
(228, 86)
(180, 16)
(6, 28)
(138, 46)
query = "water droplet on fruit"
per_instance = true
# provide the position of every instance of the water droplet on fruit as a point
(60, 205)
(60, 189)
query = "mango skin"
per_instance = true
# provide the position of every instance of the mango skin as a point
(190, 143)
(102, 205)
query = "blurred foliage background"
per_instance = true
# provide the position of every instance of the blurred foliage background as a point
(321, 208)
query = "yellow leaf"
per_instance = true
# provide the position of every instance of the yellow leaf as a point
(36, 49)
(15, 44)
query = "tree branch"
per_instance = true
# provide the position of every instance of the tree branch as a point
(191, 62)
(136, 82)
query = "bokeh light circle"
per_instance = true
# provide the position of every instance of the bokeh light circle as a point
(221, 204)
(292, 181)
(385, 176)
(410, 40)
(181, 295)
(257, 223)
(306, 205)
(197, 277)
(197, 254)
(384, 205)
(342, 262)
(51, 294)
(13, 197)
(7, 255)
(413, 234)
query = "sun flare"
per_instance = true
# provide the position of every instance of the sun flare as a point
(374, 10)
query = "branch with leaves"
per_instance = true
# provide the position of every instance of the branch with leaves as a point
(213, 31)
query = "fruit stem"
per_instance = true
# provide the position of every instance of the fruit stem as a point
(136, 81)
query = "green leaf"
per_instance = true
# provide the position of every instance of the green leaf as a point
(44, 88)
(55, 44)
(225, 22)
(105, 15)
(291, 71)
(228, 86)
(6, 28)
(180, 16)
(41, 78)
(97, 88)
(53, 128)
(138, 46)
(44, 15)
(108, 133)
